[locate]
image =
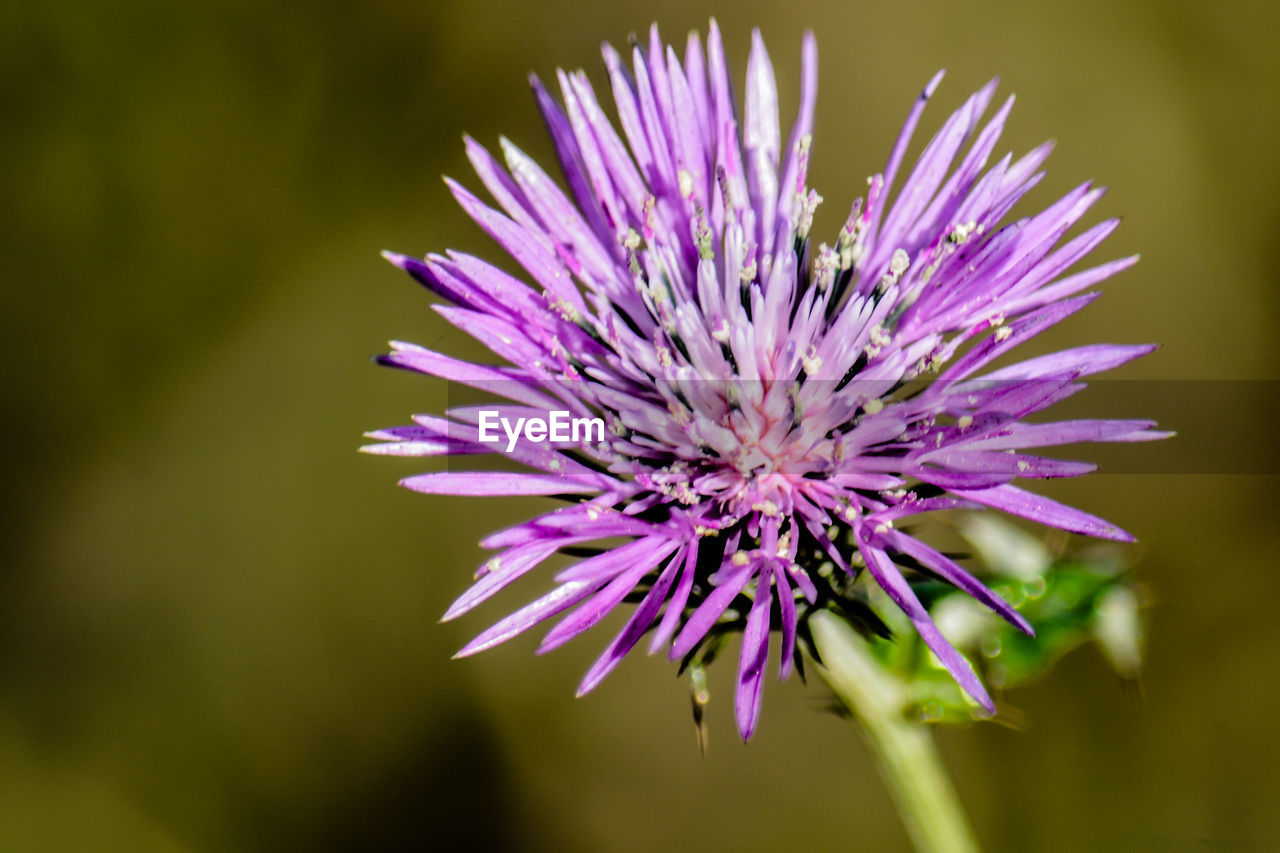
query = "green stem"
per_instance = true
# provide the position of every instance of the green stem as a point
(904, 750)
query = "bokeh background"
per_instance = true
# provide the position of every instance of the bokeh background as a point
(218, 622)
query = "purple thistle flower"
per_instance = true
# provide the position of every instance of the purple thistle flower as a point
(772, 407)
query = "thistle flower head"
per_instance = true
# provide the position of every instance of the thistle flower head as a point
(774, 408)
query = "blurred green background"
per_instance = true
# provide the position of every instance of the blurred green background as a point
(218, 622)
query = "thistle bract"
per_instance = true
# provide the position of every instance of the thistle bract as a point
(770, 409)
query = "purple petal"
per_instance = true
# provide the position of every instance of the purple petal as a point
(642, 552)
(661, 87)
(1064, 257)
(597, 170)
(570, 157)
(927, 176)
(691, 154)
(947, 569)
(891, 581)
(608, 598)
(545, 268)
(1018, 435)
(945, 206)
(488, 483)
(803, 125)
(564, 223)
(751, 664)
(1081, 361)
(509, 294)
(761, 138)
(662, 174)
(420, 360)
(557, 601)
(424, 276)
(904, 139)
(675, 607)
(501, 571)
(695, 70)
(504, 190)
(588, 518)
(958, 480)
(635, 628)
(417, 447)
(610, 153)
(1069, 286)
(1024, 504)
(504, 339)
(712, 607)
(997, 462)
(1015, 334)
(624, 97)
(787, 612)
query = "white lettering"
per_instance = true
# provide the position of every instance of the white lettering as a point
(586, 424)
(513, 435)
(488, 421)
(559, 426)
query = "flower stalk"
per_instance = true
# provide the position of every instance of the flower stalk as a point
(904, 750)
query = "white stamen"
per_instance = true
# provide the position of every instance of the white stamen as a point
(899, 262)
(686, 183)
(811, 362)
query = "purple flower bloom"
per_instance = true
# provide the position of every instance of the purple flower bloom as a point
(773, 409)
